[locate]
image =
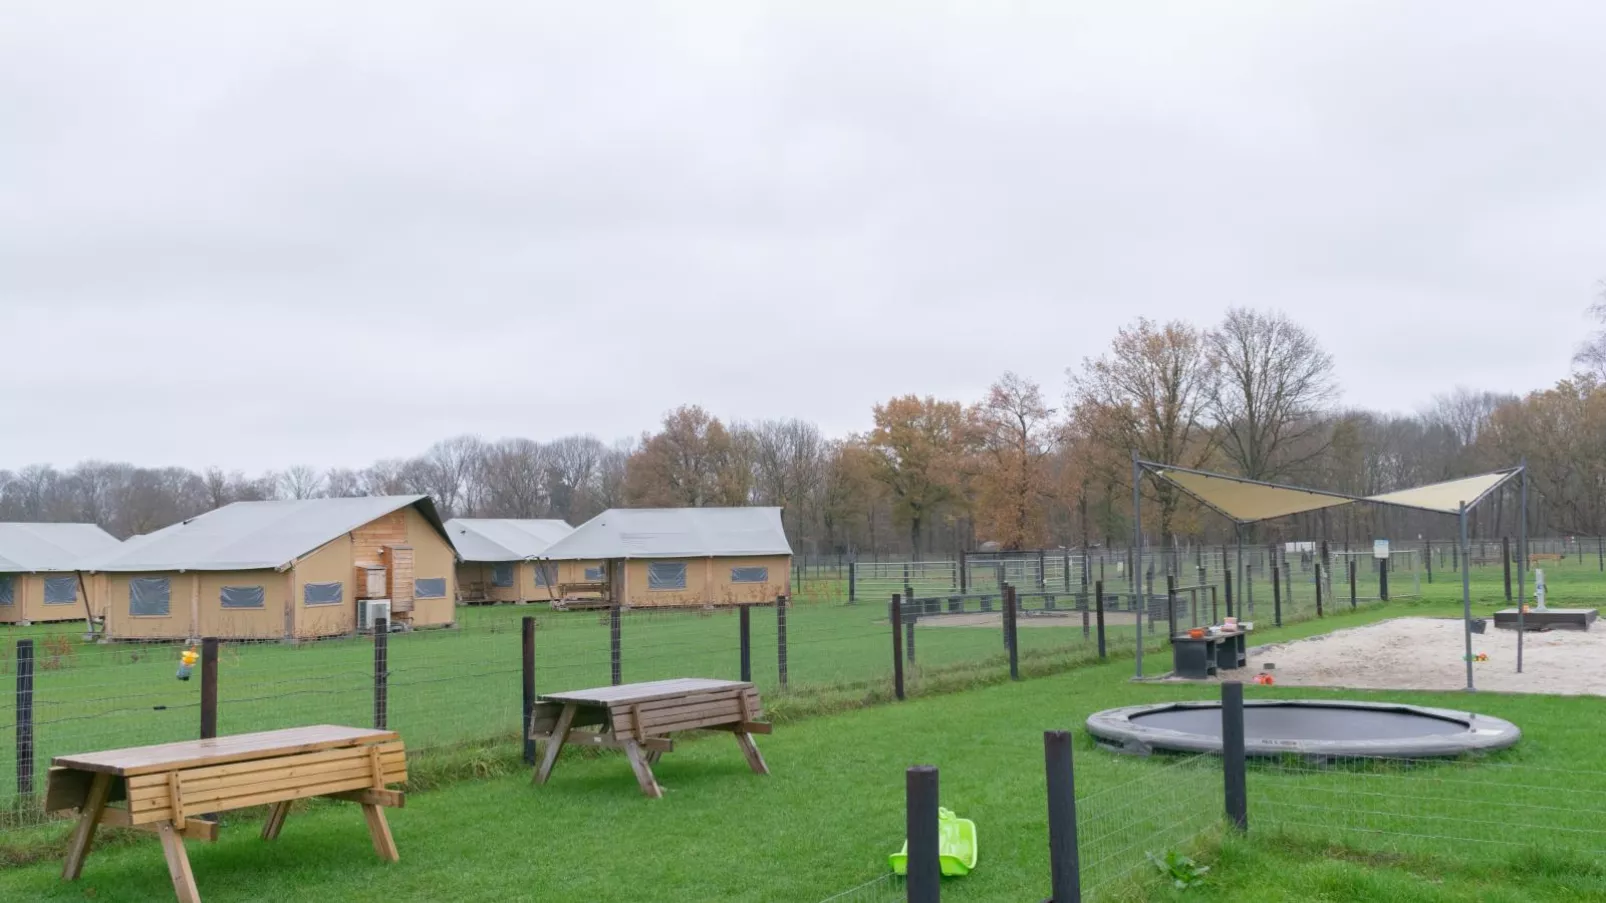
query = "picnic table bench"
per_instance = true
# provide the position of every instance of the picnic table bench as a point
(1200, 657)
(638, 718)
(166, 788)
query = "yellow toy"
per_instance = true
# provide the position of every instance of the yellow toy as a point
(186, 663)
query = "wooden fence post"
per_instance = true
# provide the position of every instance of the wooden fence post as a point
(744, 621)
(1098, 609)
(924, 883)
(615, 646)
(381, 673)
(1064, 862)
(528, 669)
(1276, 595)
(1235, 776)
(208, 688)
(24, 729)
(895, 615)
(780, 637)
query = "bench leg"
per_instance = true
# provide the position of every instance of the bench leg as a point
(178, 864)
(82, 836)
(638, 764)
(653, 756)
(270, 831)
(554, 744)
(379, 830)
(755, 760)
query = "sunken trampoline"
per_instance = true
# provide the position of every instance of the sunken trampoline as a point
(1316, 728)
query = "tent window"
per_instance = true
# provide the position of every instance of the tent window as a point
(540, 574)
(8, 593)
(149, 596)
(750, 575)
(61, 590)
(666, 575)
(594, 574)
(429, 588)
(243, 597)
(502, 574)
(323, 593)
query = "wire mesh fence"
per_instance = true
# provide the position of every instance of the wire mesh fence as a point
(1169, 808)
(884, 889)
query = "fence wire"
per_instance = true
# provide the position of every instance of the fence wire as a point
(1165, 809)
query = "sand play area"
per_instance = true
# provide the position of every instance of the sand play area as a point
(1428, 654)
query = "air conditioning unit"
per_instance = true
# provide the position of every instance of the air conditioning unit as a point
(371, 610)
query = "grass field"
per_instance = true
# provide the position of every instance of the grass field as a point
(833, 808)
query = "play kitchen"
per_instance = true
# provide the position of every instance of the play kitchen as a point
(1203, 651)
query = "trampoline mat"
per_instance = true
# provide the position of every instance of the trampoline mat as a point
(1293, 722)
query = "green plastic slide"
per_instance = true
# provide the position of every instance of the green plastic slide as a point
(956, 846)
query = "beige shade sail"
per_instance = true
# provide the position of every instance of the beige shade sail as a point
(1446, 497)
(1248, 501)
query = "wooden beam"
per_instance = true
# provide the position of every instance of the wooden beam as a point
(394, 799)
(84, 835)
(178, 864)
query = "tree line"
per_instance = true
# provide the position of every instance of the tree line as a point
(1253, 395)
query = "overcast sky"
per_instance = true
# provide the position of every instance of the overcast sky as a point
(255, 235)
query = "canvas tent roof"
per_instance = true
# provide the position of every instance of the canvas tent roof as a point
(1446, 497)
(674, 533)
(250, 535)
(503, 539)
(52, 547)
(1248, 501)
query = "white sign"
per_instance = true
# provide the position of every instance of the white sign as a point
(1380, 548)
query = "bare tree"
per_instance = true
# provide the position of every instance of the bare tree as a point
(513, 479)
(789, 463)
(342, 483)
(300, 482)
(572, 474)
(385, 477)
(1275, 385)
(1591, 354)
(448, 473)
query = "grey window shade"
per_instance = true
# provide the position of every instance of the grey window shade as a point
(149, 595)
(7, 591)
(429, 588)
(540, 574)
(594, 573)
(666, 575)
(502, 574)
(61, 590)
(750, 575)
(323, 593)
(244, 597)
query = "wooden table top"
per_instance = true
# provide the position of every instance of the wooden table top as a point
(626, 694)
(136, 760)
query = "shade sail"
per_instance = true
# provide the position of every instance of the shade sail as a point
(1446, 497)
(1248, 501)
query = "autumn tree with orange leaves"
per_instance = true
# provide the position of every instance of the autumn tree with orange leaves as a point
(1015, 434)
(919, 448)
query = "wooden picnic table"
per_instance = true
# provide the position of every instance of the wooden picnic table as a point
(166, 788)
(638, 718)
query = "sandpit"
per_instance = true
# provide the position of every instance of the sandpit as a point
(1428, 654)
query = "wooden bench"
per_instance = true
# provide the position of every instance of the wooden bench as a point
(638, 718)
(1544, 557)
(166, 788)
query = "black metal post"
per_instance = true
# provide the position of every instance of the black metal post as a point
(1064, 864)
(528, 668)
(896, 617)
(781, 603)
(381, 673)
(853, 592)
(615, 647)
(1235, 777)
(24, 729)
(208, 688)
(1226, 583)
(1171, 608)
(1505, 560)
(1383, 579)
(1318, 589)
(925, 868)
(1098, 610)
(1352, 596)
(909, 618)
(1011, 616)
(744, 628)
(1427, 557)
(1276, 595)
(964, 578)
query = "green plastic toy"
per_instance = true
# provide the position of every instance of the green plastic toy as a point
(956, 846)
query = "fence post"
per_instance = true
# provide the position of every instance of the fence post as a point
(1171, 608)
(1383, 579)
(615, 647)
(1277, 594)
(1098, 609)
(1318, 589)
(896, 617)
(1226, 589)
(853, 592)
(1505, 560)
(964, 576)
(24, 717)
(1065, 868)
(1427, 558)
(1600, 551)
(1235, 776)
(208, 687)
(529, 685)
(1012, 626)
(381, 673)
(909, 617)
(744, 621)
(920, 807)
(1352, 596)
(780, 637)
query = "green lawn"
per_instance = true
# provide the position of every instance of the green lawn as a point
(832, 810)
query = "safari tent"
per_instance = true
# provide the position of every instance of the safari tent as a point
(284, 570)
(684, 557)
(39, 572)
(498, 560)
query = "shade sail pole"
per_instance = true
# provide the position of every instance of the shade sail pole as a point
(1522, 557)
(1137, 554)
(1466, 596)
(1243, 588)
